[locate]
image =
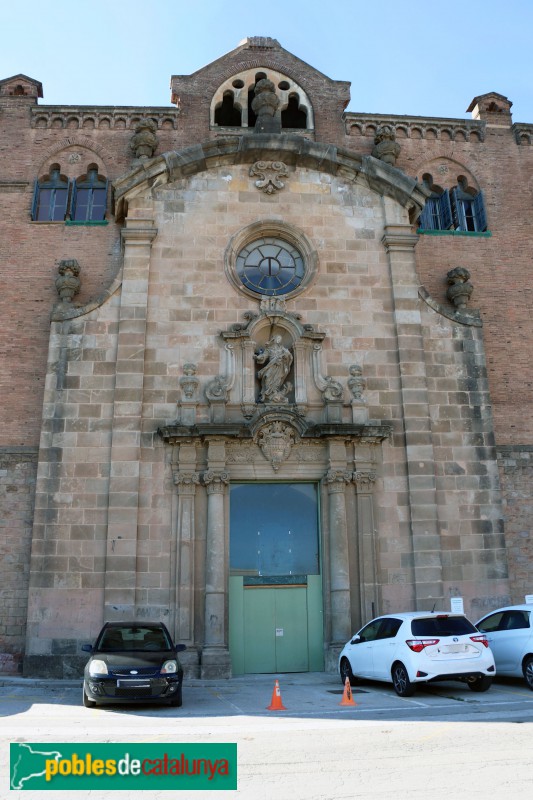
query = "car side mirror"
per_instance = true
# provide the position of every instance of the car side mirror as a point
(87, 648)
(180, 648)
(356, 639)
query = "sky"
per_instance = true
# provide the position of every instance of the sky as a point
(419, 59)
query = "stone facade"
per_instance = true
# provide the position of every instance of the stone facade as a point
(144, 393)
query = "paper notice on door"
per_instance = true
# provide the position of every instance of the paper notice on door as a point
(279, 631)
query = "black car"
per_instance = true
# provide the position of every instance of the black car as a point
(133, 662)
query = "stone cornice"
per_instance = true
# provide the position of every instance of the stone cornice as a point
(523, 133)
(370, 433)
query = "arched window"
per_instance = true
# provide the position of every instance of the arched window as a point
(227, 113)
(50, 197)
(437, 213)
(89, 197)
(460, 208)
(293, 116)
(468, 207)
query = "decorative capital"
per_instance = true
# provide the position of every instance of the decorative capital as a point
(336, 480)
(364, 480)
(186, 481)
(269, 174)
(215, 481)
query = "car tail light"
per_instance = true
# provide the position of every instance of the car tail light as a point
(418, 644)
(481, 638)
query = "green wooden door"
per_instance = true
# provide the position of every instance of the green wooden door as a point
(275, 629)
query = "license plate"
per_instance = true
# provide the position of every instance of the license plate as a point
(129, 684)
(454, 648)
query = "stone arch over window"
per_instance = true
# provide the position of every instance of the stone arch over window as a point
(236, 95)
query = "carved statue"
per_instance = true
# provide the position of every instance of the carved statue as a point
(273, 375)
(265, 105)
(386, 148)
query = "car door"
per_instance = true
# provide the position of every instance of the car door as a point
(384, 648)
(360, 651)
(507, 633)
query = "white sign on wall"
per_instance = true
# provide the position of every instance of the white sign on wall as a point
(529, 598)
(457, 605)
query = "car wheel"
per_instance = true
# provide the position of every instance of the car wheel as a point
(86, 701)
(528, 671)
(482, 684)
(346, 672)
(400, 680)
(177, 699)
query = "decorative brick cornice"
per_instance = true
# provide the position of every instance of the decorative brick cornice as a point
(415, 127)
(110, 117)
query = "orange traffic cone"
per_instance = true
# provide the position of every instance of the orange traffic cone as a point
(275, 703)
(347, 698)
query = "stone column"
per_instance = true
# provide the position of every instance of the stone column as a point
(336, 481)
(399, 243)
(364, 481)
(121, 556)
(215, 655)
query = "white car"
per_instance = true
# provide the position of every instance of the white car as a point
(418, 647)
(510, 637)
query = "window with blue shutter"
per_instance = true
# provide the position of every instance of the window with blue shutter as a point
(437, 213)
(89, 200)
(51, 198)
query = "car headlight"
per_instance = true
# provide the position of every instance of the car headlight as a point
(169, 667)
(97, 667)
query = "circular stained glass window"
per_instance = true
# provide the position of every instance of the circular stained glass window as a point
(270, 266)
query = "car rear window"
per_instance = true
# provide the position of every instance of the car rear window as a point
(441, 626)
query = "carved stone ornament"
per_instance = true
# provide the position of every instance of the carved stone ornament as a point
(68, 284)
(356, 383)
(144, 141)
(337, 479)
(189, 383)
(276, 440)
(269, 174)
(186, 480)
(459, 289)
(217, 389)
(386, 148)
(265, 105)
(215, 481)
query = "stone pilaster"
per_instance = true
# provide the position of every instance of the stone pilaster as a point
(364, 480)
(121, 556)
(336, 481)
(399, 242)
(215, 655)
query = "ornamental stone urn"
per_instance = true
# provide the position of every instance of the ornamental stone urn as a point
(68, 284)
(460, 288)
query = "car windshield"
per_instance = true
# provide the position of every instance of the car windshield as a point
(133, 638)
(442, 626)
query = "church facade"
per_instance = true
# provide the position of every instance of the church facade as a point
(267, 366)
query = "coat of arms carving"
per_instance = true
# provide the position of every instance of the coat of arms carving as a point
(276, 440)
